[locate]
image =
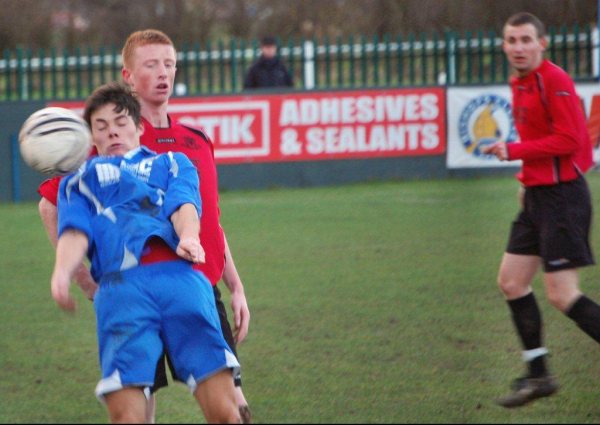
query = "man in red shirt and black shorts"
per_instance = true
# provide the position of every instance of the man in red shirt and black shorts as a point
(552, 229)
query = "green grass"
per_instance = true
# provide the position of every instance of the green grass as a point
(372, 303)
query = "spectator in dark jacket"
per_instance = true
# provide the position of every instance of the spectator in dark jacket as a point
(268, 71)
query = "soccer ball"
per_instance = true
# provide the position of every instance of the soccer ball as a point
(55, 141)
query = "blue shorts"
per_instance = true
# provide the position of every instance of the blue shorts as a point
(166, 305)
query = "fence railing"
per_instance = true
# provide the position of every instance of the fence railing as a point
(354, 62)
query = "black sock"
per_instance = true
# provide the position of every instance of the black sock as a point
(586, 313)
(528, 321)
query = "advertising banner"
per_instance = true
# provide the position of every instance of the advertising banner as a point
(317, 125)
(481, 115)
(320, 125)
(478, 116)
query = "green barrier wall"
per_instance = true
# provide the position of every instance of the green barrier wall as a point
(18, 182)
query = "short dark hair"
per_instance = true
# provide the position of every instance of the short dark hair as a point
(117, 93)
(523, 18)
(268, 40)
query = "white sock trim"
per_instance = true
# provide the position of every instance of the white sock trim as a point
(529, 355)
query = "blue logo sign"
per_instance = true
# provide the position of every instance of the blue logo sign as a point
(485, 120)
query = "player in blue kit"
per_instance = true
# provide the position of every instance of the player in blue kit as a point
(110, 209)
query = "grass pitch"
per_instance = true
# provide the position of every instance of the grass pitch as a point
(372, 303)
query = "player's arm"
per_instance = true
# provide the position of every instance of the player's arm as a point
(564, 112)
(187, 226)
(49, 215)
(239, 305)
(70, 251)
(183, 205)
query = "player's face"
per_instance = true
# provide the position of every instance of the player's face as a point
(523, 47)
(152, 73)
(114, 133)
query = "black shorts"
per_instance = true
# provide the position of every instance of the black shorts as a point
(160, 378)
(555, 225)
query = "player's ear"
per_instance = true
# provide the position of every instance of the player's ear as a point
(544, 42)
(126, 74)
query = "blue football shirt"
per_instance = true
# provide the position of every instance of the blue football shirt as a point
(120, 202)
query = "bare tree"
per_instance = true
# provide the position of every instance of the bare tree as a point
(71, 23)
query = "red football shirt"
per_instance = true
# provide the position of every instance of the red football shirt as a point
(554, 142)
(49, 189)
(199, 149)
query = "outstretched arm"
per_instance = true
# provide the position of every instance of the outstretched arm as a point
(70, 251)
(239, 305)
(187, 226)
(49, 215)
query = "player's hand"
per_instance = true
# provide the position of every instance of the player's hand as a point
(498, 149)
(189, 248)
(60, 284)
(521, 197)
(241, 316)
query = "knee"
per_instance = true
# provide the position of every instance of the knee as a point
(219, 407)
(554, 298)
(512, 288)
(127, 417)
(224, 416)
(561, 300)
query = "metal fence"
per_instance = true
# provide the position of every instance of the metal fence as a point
(423, 59)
